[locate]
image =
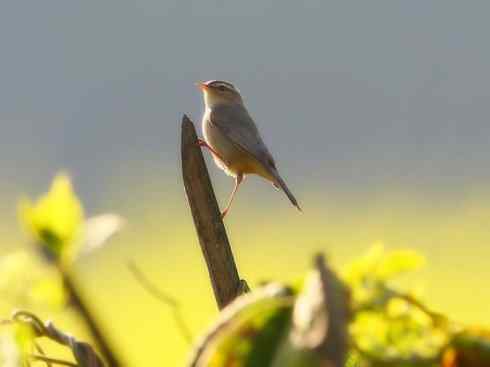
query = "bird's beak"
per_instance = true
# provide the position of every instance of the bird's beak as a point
(202, 86)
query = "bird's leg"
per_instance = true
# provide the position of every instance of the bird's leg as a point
(202, 143)
(238, 181)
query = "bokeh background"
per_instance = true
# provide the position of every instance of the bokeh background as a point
(377, 114)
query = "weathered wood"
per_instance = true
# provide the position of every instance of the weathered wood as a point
(207, 219)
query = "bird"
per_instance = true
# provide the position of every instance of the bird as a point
(232, 137)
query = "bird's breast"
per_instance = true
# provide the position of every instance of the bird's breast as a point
(220, 143)
(236, 160)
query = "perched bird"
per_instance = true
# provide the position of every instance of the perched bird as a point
(233, 139)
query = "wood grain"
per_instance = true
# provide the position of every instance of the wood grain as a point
(207, 219)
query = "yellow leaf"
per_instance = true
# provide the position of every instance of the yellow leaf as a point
(397, 262)
(55, 220)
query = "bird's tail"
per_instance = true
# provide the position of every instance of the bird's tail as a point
(282, 185)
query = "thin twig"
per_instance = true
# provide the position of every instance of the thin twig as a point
(49, 360)
(163, 297)
(32, 319)
(85, 313)
(41, 351)
(83, 352)
(437, 318)
(150, 287)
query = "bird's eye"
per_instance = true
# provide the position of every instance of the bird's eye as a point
(222, 88)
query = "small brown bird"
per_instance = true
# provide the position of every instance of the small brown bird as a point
(234, 140)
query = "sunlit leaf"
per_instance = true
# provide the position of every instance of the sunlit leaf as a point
(379, 265)
(24, 338)
(364, 266)
(40, 286)
(397, 262)
(48, 290)
(353, 360)
(10, 354)
(273, 327)
(99, 229)
(369, 275)
(402, 333)
(55, 219)
(16, 343)
(392, 328)
(248, 331)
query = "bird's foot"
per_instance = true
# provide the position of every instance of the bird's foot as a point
(223, 213)
(202, 143)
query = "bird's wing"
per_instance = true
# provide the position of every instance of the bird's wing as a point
(237, 125)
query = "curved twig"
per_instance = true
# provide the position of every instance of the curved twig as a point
(50, 361)
(153, 290)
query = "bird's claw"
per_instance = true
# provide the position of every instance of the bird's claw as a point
(202, 143)
(223, 213)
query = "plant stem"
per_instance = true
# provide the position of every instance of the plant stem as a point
(85, 313)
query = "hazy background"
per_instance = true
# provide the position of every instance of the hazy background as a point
(377, 114)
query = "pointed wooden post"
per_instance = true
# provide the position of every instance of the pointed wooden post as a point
(207, 220)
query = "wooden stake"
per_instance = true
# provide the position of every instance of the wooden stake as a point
(207, 220)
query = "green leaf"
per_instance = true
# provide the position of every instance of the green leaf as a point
(248, 330)
(398, 262)
(41, 286)
(55, 219)
(379, 265)
(363, 267)
(16, 343)
(398, 336)
(10, 355)
(369, 275)
(24, 338)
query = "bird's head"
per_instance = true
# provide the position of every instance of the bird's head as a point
(217, 92)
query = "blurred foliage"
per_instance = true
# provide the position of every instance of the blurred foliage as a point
(40, 287)
(16, 342)
(55, 220)
(274, 325)
(58, 227)
(57, 223)
(390, 324)
(369, 275)
(469, 348)
(24, 350)
(389, 327)
(258, 316)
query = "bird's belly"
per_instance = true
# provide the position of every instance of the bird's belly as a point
(236, 160)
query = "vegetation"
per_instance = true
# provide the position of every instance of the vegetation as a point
(355, 316)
